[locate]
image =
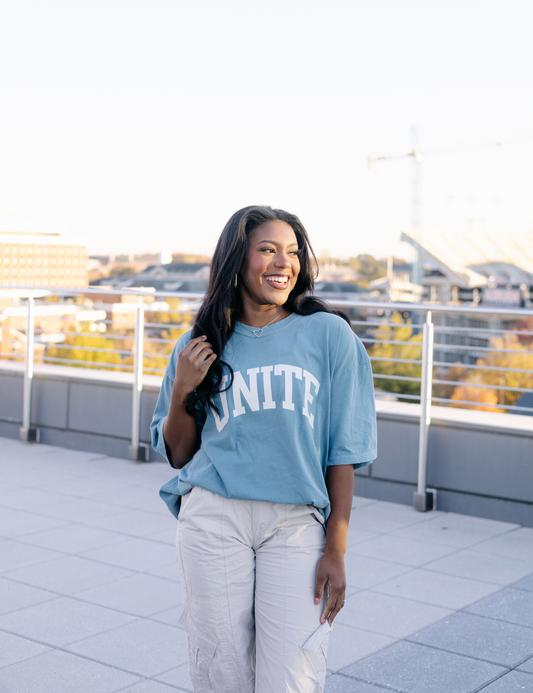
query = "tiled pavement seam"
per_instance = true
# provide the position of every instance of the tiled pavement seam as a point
(377, 531)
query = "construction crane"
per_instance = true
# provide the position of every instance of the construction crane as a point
(416, 174)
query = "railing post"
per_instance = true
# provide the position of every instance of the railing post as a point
(26, 432)
(137, 451)
(424, 498)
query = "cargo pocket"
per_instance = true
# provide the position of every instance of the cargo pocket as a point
(317, 660)
(201, 650)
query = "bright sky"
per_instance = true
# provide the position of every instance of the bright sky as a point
(144, 124)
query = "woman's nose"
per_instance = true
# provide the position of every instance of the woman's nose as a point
(282, 259)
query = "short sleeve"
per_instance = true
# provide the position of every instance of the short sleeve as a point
(163, 401)
(353, 429)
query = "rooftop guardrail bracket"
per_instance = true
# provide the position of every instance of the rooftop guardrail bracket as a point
(29, 435)
(139, 453)
(425, 501)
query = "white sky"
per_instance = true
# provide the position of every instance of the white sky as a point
(144, 124)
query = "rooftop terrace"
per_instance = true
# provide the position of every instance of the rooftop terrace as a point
(90, 597)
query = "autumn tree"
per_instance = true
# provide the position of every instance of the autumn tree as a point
(407, 350)
(509, 353)
(80, 351)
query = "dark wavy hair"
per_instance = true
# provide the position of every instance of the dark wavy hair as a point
(222, 304)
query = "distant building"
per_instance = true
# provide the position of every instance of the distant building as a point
(340, 290)
(396, 288)
(190, 277)
(42, 259)
(333, 272)
(476, 268)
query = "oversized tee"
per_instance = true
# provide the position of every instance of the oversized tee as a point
(301, 399)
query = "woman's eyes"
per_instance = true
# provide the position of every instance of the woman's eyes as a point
(295, 253)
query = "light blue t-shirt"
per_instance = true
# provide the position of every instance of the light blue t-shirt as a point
(302, 399)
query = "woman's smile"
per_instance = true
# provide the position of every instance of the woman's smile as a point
(278, 281)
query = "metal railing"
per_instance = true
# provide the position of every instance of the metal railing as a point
(134, 338)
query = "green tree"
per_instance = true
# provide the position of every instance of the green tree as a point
(368, 266)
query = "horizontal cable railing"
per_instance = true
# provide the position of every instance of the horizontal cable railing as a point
(448, 355)
(491, 348)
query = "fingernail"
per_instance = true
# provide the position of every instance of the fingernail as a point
(317, 601)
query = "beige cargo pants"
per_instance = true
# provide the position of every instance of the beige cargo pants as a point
(248, 578)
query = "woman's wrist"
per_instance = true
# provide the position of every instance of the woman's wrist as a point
(335, 546)
(179, 397)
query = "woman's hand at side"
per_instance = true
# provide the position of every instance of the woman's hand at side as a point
(330, 573)
(179, 430)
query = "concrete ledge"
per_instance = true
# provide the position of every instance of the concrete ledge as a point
(457, 417)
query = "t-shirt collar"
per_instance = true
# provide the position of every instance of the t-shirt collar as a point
(269, 329)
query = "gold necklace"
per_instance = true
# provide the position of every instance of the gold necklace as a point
(258, 332)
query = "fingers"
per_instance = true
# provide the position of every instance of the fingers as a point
(319, 588)
(330, 576)
(193, 363)
(197, 352)
(333, 606)
(320, 581)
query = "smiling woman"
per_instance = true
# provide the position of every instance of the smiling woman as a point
(266, 407)
(270, 270)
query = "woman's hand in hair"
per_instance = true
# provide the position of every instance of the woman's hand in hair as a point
(193, 363)
(179, 430)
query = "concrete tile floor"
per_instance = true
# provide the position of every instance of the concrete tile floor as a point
(90, 596)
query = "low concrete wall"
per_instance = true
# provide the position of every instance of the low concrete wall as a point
(78, 408)
(481, 463)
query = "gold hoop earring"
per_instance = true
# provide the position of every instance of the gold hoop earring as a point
(235, 282)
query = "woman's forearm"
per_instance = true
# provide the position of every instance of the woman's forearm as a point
(330, 568)
(339, 482)
(179, 431)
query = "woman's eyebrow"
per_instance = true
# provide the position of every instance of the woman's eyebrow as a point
(275, 242)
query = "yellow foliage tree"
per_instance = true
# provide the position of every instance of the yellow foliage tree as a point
(509, 353)
(80, 348)
(468, 392)
(410, 350)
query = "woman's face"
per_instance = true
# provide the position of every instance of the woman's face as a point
(271, 266)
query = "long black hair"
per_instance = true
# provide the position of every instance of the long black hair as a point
(222, 304)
